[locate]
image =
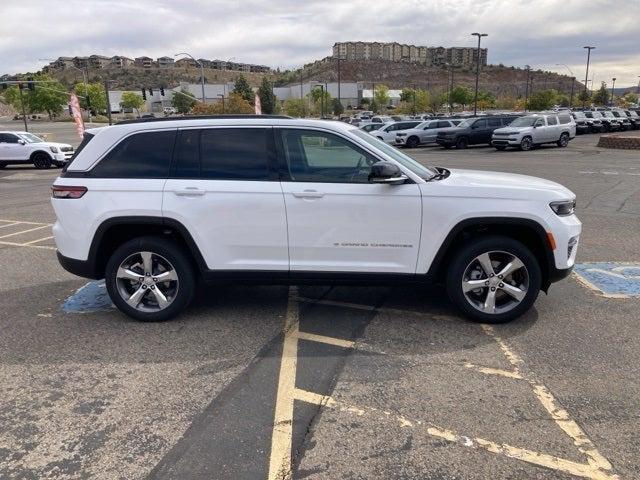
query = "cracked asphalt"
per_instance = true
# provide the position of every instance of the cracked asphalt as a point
(326, 382)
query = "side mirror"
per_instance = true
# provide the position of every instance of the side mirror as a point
(386, 172)
(22, 142)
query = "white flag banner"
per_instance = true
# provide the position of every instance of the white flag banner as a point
(76, 113)
(258, 105)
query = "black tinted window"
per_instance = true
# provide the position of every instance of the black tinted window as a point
(8, 138)
(443, 124)
(494, 122)
(480, 123)
(141, 155)
(187, 156)
(235, 153)
(564, 119)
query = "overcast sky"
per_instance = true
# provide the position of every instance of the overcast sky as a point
(288, 33)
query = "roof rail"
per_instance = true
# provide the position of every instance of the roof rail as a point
(200, 117)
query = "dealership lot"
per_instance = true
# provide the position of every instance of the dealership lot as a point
(340, 382)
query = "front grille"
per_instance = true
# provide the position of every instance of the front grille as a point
(66, 149)
(501, 142)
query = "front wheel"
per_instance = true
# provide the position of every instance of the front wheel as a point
(413, 142)
(41, 161)
(564, 140)
(526, 144)
(493, 279)
(462, 143)
(150, 279)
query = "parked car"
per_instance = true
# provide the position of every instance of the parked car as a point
(387, 133)
(634, 117)
(582, 122)
(594, 124)
(533, 130)
(625, 122)
(154, 206)
(609, 121)
(472, 131)
(424, 133)
(18, 148)
(369, 127)
(381, 119)
(606, 124)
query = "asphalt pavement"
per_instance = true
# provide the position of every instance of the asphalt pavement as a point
(327, 382)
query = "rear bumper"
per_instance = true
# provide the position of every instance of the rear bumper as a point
(81, 268)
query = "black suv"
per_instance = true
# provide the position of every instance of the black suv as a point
(472, 131)
(609, 124)
(582, 122)
(625, 122)
(634, 117)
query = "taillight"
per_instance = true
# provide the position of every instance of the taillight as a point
(63, 191)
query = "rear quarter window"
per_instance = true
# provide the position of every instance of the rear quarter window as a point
(564, 119)
(141, 155)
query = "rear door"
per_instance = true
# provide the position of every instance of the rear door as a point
(338, 221)
(10, 149)
(224, 189)
(553, 129)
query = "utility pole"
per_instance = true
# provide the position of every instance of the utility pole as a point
(573, 81)
(475, 98)
(24, 113)
(304, 112)
(339, 97)
(586, 75)
(106, 92)
(612, 87)
(526, 94)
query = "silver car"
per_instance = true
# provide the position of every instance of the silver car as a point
(424, 133)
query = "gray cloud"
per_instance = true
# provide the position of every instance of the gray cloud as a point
(287, 33)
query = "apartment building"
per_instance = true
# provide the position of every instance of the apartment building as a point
(165, 62)
(143, 62)
(397, 52)
(121, 62)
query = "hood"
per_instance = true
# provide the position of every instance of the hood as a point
(56, 144)
(480, 184)
(448, 130)
(510, 129)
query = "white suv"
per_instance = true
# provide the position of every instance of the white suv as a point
(151, 206)
(532, 130)
(23, 147)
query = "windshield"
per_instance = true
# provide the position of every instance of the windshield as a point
(30, 138)
(397, 155)
(593, 114)
(523, 122)
(466, 123)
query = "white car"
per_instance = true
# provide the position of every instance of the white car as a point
(153, 206)
(532, 130)
(423, 133)
(18, 148)
(387, 133)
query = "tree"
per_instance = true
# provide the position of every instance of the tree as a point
(295, 107)
(48, 97)
(601, 97)
(543, 99)
(584, 96)
(132, 100)
(234, 103)
(321, 101)
(183, 101)
(336, 107)
(413, 101)
(267, 97)
(461, 95)
(242, 88)
(630, 98)
(381, 96)
(97, 96)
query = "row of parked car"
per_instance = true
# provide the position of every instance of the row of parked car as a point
(523, 131)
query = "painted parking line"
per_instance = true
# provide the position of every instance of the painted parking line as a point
(610, 279)
(24, 228)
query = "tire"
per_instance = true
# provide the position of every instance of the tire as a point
(605, 128)
(475, 304)
(166, 259)
(564, 140)
(501, 148)
(413, 142)
(526, 144)
(462, 143)
(448, 147)
(2, 165)
(41, 160)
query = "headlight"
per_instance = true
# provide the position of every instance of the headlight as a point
(563, 208)
(54, 149)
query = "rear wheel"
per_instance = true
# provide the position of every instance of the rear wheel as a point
(526, 144)
(494, 279)
(41, 160)
(413, 142)
(150, 279)
(462, 143)
(564, 140)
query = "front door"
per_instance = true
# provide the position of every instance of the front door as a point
(480, 132)
(224, 189)
(337, 220)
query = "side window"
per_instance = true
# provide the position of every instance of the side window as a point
(314, 156)
(552, 120)
(443, 124)
(187, 154)
(8, 138)
(494, 122)
(141, 155)
(480, 123)
(539, 122)
(564, 119)
(235, 153)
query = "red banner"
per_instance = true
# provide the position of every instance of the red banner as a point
(258, 105)
(76, 113)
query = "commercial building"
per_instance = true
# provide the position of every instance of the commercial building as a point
(397, 52)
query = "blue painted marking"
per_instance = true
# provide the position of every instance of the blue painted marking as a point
(93, 297)
(612, 278)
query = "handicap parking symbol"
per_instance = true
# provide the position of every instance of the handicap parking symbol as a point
(612, 279)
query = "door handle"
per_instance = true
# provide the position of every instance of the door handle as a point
(308, 194)
(189, 192)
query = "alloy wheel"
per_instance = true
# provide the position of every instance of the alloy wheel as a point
(495, 282)
(147, 281)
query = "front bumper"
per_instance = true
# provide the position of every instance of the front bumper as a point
(505, 141)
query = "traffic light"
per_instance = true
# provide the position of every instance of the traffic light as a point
(150, 91)
(30, 84)
(162, 91)
(144, 94)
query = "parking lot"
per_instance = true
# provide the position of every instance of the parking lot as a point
(327, 382)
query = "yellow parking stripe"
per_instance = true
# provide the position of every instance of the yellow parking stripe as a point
(26, 244)
(25, 222)
(14, 244)
(338, 342)
(25, 231)
(10, 224)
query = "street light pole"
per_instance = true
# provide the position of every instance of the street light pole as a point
(321, 100)
(339, 97)
(221, 95)
(475, 99)
(201, 71)
(612, 87)
(586, 75)
(638, 90)
(304, 112)
(526, 92)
